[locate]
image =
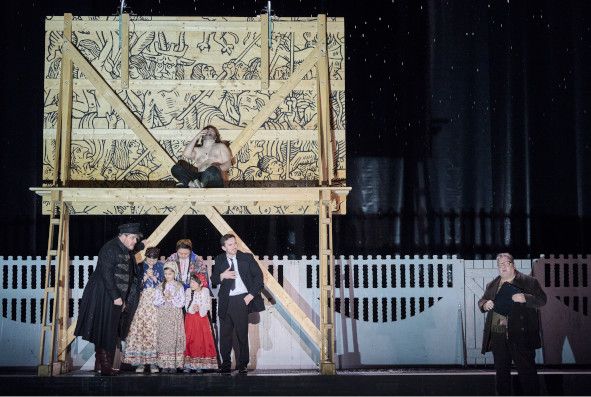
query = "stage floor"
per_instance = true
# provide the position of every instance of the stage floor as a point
(398, 381)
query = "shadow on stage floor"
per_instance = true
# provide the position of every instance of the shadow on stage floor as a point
(394, 381)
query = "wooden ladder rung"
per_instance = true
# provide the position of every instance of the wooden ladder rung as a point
(52, 252)
(55, 221)
(50, 290)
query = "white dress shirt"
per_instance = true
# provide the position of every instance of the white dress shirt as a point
(240, 288)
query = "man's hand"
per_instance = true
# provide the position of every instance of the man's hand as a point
(519, 298)
(199, 135)
(248, 298)
(118, 302)
(228, 274)
(488, 305)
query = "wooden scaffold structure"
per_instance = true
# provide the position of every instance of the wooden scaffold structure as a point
(64, 197)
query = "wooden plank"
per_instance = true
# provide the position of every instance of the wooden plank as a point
(125, 51)
(326, 145)
(270, 283)
(319, 125)
(66, 104)
(198, 24)
(274, 101)
(162, 230)
(70, 332)
(58, 137)
(265, 52)
(103, 89)
(173, 195)
(188, 85)
(326, 270)
(65, 292)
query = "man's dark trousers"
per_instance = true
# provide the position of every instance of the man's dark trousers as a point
(236, 318)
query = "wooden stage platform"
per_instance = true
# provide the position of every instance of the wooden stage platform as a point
(407, 381)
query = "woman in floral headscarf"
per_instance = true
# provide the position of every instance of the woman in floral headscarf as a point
(187, 261)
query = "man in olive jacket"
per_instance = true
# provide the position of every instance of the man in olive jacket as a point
(241, 282)
(516, 335)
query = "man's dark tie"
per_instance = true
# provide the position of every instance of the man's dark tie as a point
(232, 281)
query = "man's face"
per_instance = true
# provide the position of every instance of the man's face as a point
(129, 240)
(230, 246)
(209, 135)
(506, 268)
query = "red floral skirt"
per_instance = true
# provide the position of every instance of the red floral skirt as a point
(200, 350)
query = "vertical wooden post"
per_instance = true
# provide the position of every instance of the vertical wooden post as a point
(66, 102)
(64, 294)
(271, 284)
(265, 51)
(325, 154)
(321, 167)
(125, 51)
(326, 267)
(58, 136)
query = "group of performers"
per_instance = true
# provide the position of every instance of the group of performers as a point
(162, 310)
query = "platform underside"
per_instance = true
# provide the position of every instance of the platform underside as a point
(162, 201)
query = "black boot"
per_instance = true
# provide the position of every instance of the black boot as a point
(105, 365)
(97, 361)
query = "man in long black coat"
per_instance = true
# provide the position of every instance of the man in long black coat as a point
(110, 288)
(513, 335)
(241, 282)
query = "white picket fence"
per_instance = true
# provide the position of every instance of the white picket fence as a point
(389, 310)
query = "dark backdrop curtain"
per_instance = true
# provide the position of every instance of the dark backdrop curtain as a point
(468, 130)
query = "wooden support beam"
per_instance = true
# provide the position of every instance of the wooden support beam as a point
(326, 267)
(325, 146)
(321, 162)
(58, 136)
(274, 101)
(125, 51)
(66, 93)
(65, 293)
(198, 24)
(103, 89)
(70, 332)
(264, 51)
(198, 196)
(270, 283)
(162, 230)
(189, 86)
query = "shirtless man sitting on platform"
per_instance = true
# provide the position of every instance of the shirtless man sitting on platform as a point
(212, 160)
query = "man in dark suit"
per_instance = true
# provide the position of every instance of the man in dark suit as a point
(241, 282)
(513, 335)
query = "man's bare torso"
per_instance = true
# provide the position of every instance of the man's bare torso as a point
(216, 154)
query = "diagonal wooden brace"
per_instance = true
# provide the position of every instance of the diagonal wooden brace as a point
(163, 229)
(107, 92)
(270, 283)
(274, 101)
